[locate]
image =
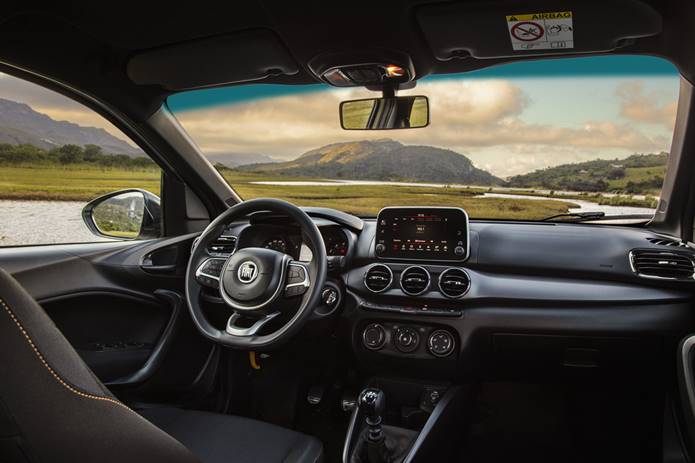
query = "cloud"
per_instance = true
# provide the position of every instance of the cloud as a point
(470, 117)
(639, 106)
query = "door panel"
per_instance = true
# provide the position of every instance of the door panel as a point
(121, 306)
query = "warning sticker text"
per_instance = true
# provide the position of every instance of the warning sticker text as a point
(541, 31)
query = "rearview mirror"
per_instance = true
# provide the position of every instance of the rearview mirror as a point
(399, 112)
(125, 214)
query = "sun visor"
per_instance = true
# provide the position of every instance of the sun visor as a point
(503, 29)
(245, 56)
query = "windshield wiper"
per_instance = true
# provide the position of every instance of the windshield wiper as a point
(574, 217)
(577, 216)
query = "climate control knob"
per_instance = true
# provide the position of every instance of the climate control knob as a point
(440, 343)
(374, 336)
(406, 339)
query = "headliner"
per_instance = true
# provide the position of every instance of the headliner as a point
(87, 45)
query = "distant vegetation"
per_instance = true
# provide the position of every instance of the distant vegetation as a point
(90, 156)
(71, 172)
(637, 174)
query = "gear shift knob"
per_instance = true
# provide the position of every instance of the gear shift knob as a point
(373, 403)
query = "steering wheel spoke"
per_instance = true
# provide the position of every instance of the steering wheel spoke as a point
(297, 281)
(209, 271)
(234, 330)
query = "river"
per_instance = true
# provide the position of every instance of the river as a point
(43, 222)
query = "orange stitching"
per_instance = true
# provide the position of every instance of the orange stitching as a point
(48, 367)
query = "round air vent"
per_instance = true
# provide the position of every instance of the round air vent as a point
(415, 280)
(378, 278)
(454, 282)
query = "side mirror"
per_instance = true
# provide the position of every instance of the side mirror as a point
(125, 214)
(398, 112)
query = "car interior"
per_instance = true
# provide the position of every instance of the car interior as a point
(260, 330)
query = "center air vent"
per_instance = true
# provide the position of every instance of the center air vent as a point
(662, 264)
(454, 282)
(415, 280)
(378, 278)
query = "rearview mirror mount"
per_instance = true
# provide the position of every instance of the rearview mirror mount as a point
(390, 112)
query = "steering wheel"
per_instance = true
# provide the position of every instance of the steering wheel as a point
(254, 282)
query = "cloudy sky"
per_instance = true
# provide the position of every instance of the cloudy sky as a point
(507, 126)
(54, 104)
(505, 121)
(508, 119)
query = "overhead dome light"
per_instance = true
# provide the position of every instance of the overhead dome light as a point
(394, 71)
(366, 75)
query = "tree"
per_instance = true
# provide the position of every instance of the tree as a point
(69, 154)
(91, 152)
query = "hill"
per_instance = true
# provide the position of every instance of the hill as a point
(20, 124)
(239, 159)
(381, 160)
(639, 173)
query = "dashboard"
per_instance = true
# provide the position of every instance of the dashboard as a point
(428, 287)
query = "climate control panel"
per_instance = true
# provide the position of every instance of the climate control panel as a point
(408, 340)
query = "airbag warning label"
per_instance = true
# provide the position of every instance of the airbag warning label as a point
(541, 31)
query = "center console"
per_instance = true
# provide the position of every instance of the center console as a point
(399, 422)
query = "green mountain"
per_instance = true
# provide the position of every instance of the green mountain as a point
(639, 173)
(381, 160)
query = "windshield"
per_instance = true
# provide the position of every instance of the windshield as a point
(521, 141)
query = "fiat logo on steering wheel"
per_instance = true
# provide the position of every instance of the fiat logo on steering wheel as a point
(248, 271)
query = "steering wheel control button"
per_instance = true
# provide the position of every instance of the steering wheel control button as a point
(297, 280)
(374, 337)
(406, 339)
(208, 274)
(213, 267)
(440, 343)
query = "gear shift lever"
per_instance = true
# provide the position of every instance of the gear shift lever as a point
(372, 402)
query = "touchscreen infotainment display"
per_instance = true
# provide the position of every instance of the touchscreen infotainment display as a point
(422, 233)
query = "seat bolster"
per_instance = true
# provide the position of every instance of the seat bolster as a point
(19, 309)
(216, 438)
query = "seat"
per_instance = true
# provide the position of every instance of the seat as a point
(54, 409)
(223, 438)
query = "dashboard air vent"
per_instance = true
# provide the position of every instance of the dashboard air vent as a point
(662, 264)
(378, 278)
(454, 282)
(415, 280)
(224, 245)
(666, 242)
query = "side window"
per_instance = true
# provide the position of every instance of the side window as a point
(56, 157)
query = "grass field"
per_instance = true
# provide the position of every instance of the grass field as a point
(367, 200)
(72, 183)
(84, 184)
